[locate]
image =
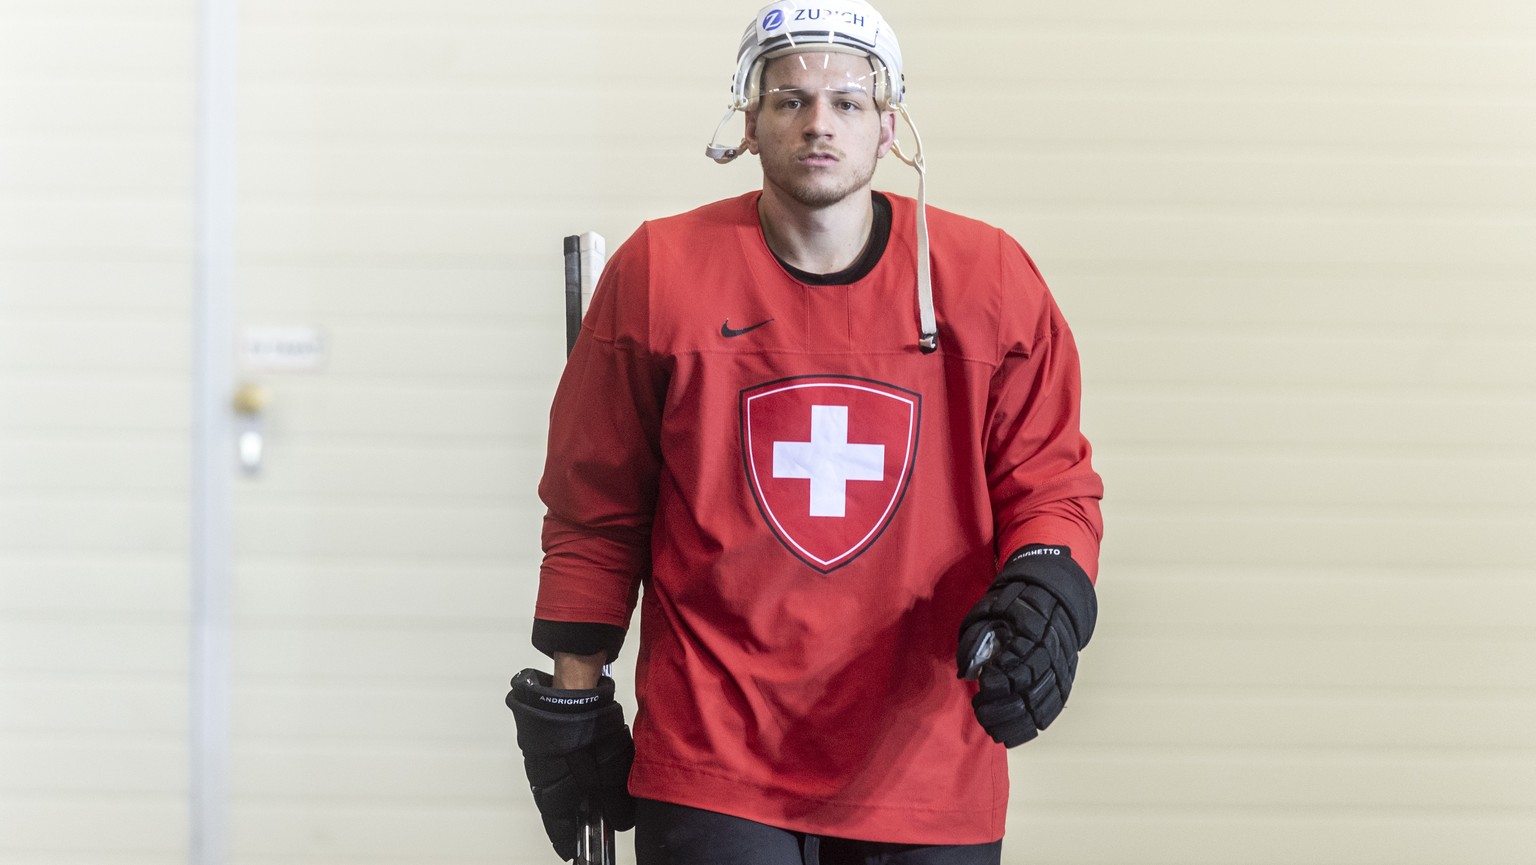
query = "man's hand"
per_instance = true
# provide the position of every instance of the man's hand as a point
(1040, 611)
(576, 749)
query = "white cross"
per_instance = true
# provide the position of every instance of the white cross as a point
(829, 461)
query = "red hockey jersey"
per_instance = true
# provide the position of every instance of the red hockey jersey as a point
(812, 505)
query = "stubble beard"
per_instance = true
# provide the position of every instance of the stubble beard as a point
(814, 191)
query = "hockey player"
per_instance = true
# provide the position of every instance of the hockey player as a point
(827, 440)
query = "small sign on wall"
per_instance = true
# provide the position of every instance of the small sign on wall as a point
(282, 349)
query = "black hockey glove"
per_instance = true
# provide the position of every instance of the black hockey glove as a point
(1021, 641)
(577, 750)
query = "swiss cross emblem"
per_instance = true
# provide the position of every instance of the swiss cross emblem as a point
(828, 459)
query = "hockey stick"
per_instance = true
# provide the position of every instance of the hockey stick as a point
(584, 254)
(583, 263)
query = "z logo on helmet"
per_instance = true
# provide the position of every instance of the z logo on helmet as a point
(828, 459)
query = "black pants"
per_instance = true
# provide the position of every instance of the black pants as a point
(667, 834)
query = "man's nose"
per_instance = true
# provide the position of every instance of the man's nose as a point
(818, 120)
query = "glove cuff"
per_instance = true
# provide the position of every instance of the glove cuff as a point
(1052, 568)
(552, 721)
(537, 690)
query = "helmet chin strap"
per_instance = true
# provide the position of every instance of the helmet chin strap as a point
(927, 321)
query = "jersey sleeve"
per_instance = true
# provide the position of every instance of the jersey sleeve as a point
(1043, 487)
(602, 464)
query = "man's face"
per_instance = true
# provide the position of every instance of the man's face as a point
(817, 129)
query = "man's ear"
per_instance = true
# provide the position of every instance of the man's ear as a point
(751, 133)
(887, 133)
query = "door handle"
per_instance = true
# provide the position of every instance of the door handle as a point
(250, 405)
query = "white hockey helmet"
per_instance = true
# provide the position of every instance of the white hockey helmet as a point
(844, 26)
(847, 27)
(790, 27)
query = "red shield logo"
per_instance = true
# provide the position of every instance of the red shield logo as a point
(828, 459)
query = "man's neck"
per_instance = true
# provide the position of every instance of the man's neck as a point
(816, 239)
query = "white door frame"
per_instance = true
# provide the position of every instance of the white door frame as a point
(213, 459)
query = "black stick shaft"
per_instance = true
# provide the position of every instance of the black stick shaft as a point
(594, 839)
(572, 291)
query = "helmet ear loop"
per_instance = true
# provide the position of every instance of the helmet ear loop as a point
(745, 98)
(721, 154)
(916, 159)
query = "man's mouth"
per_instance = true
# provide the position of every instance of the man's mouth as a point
(819, 157)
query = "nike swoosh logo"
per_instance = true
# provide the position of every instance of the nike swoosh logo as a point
(727, 331)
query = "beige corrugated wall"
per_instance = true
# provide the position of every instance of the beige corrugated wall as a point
(1297, 243)
(96, 149)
